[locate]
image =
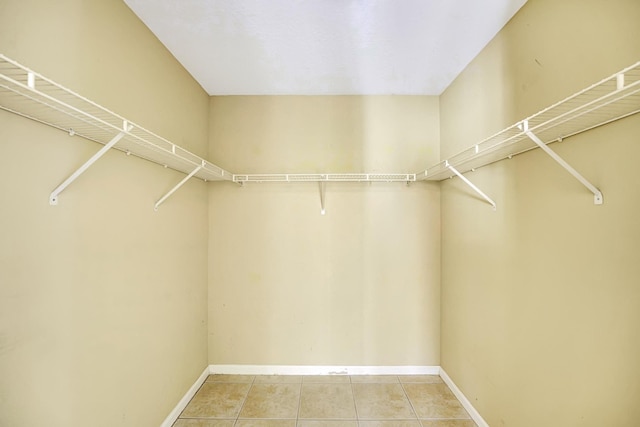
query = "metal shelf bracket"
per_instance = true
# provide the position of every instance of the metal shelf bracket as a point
(323, 188)
(53, 197)
(178, 185)
(470, 184)
(597, 195)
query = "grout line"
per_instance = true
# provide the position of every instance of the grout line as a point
(354, 401)
(299, 401)
(244, 401)
(410, 402)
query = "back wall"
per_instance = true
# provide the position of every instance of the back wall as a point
(357, 286)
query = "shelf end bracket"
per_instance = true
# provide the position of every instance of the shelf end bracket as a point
(597, 194)
(472, 185)
(53, 197)
(177, 186)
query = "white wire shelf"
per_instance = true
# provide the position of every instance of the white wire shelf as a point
(611, 99)
(31, 95)
(327, 177)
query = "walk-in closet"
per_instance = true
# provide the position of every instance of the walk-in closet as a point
(314, 213)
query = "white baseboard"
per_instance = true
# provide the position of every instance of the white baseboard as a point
(175, 413)
(475, 415)
(322, 370)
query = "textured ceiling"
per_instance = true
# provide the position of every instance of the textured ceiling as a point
(322, 47)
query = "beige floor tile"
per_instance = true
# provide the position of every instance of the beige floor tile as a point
(324, 401)
(390, 423)
(203, 423)
(340, 379)
(266, 423)
(217, 400)
(374, 379)
(272, 401)
(448, 423)
(326, 423)
(225, 378)
(278, 379)
(381, 402)
(434, 401)
(321, 401)
(433, 379)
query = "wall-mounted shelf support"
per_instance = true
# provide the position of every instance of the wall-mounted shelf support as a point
(178, 185)
(597, 195)
(470, 184)
(53, 197)
(322, 185)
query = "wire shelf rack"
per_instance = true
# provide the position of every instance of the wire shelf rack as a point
(611, 99)
(31, 95)
(327, 177)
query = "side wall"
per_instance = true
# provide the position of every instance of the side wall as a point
(357, 286)
(540, 299)
(102, 300)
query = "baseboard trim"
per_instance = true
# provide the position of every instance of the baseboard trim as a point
(322, 370)
(475, 415)
(175, 413)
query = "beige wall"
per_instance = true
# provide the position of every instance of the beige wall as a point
(540, 299)
(103, 303)
(358, 286)
(102, 300)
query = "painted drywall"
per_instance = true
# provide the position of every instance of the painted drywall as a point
(540, 299)
(102, 300)
(357, 286)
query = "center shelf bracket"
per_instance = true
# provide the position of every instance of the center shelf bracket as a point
(471, 184)
(177, 186)
(597, 194)
(53, 197)
(323, 188)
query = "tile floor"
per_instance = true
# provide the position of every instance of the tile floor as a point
(324, 401)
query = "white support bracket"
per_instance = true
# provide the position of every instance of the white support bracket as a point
(323, 188)
(597, 195)
(178, 185)
(53, 197)
(470, 184)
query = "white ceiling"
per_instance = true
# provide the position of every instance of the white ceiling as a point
(323, 47)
